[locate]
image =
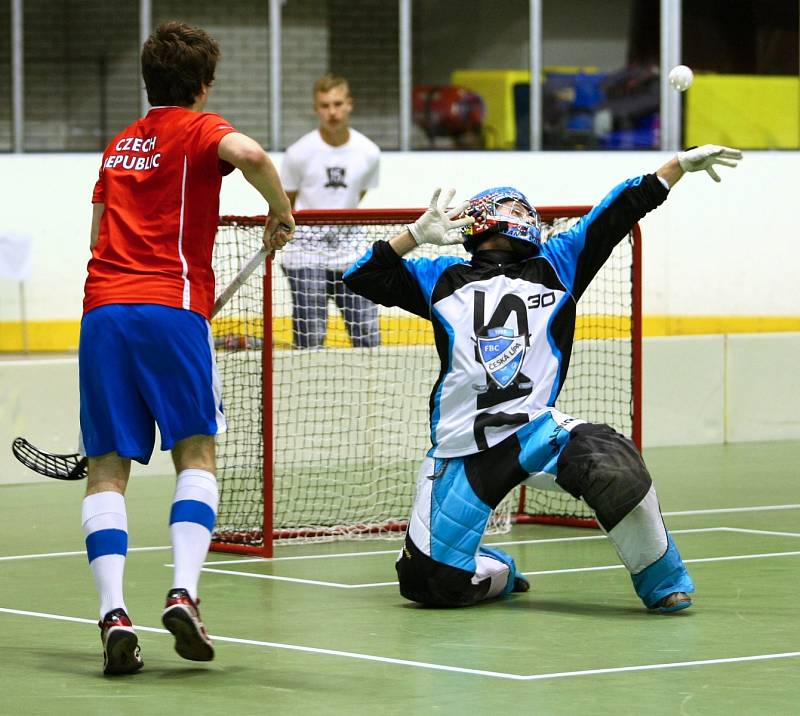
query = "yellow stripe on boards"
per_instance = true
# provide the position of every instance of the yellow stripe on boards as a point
(62, 335)
(654, 325)
(42, 336)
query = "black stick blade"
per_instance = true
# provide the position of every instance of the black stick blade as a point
(59, 467)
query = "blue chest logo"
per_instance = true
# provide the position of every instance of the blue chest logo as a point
(502, 354)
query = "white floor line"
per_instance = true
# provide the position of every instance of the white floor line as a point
(762, 532)
(276, 578)
(439, 667)
(550, 540)
(77, 553)
(573, 570)
(742, 556)
(38, 362)
(686, 561)
(297, 580)
(291, 647)
(255, 560)
(594, 537)
(724, 510)
(392, 551)
(668, 665)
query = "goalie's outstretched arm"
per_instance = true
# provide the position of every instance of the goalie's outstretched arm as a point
(698, 159)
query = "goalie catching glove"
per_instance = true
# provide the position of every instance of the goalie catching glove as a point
(705, 157)
(438, 224)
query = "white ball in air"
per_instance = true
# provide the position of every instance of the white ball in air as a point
(681, 77)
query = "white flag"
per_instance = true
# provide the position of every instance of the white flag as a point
(15, 256)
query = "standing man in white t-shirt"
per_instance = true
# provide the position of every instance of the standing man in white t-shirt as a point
(329, 168)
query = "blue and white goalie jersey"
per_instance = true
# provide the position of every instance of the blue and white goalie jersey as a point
(503, 327)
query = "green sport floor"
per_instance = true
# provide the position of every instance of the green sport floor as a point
(322, 628)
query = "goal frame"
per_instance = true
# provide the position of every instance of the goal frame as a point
(401, 216)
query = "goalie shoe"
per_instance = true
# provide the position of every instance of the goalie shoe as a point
(121, 653)
(182, 618)
(674, 602)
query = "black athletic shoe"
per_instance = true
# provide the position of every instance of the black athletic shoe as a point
(121, 653)
(521, 584)
(182, 618)
(674, 602)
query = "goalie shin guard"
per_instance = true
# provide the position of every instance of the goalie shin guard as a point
(667, 575)
(605, 469)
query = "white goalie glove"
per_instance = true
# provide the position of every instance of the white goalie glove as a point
(438, 224)
(705, 157)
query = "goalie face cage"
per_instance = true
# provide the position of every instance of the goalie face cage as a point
(325, 442)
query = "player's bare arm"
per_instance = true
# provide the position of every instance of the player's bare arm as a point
(97, 214)
(403, 243)
(248, 156)
(292, 197)
(671, 172)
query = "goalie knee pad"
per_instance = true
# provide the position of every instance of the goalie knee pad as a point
(424, 580)
(605, 469)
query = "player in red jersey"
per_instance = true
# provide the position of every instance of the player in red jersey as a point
(146, 353)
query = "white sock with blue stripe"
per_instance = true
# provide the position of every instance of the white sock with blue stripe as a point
(105, 526)
(191, 522)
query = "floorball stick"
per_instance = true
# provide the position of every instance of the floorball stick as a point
(73, 466)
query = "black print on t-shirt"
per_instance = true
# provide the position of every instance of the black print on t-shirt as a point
(335, 178)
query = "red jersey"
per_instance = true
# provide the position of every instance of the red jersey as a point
(160, 181)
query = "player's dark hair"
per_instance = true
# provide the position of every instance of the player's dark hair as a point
(177, 60)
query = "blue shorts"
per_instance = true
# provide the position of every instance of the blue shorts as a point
(142, 364)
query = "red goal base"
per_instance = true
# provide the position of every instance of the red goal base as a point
(252, 542)
(524, 519)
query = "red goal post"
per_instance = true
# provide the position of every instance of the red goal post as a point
(324, 443)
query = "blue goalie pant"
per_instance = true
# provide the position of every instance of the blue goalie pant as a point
(442, 562)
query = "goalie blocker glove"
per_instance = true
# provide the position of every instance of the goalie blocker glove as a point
(696, 159)
(438, 224)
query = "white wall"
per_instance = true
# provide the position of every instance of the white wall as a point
(697, 390)
(684, 391)
(39, 401)
(762, 388)
(714, 389)
(727, 249)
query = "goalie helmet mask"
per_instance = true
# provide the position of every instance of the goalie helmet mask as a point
(517, 220)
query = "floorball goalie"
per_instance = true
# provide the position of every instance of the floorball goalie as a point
(504, 324)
